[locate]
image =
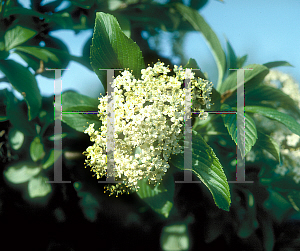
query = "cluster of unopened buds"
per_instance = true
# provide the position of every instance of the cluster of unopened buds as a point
(149, 120)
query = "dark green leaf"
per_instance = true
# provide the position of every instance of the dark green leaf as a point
(268, 93)
(75, 102)
(277, 205)
(89, 205)
(230, 122)
(16, 36)
(249, 222)
(267, 143)
(197, 4)
(16, 114)
(252, 77)
(40, 53)
(266, 226)
(199, 24)
(231, 58)
(112, 49)
(283, 118)
(294, 198)
(25, 83)
(277, 64)
(159, 197)
(208, 169)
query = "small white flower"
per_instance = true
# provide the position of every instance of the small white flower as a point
(280, 169)
(292, 140)
(149, 116)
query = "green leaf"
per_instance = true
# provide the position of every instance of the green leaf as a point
(40, 53)
(199, 24)
(159, 197)
(112, 49)
(37, 187)
(283, 118)
(268, 93)
(231, 58)
(75, 102)
(230, 122)
(16, 36)
(21, 172)
(267, 143)
(266, 225)
(251, 77)
(208, 169)
(124, 24)
(16, 114)
(16, 138)
(294, 198)
(52, 158)
(175, 237)
(25, 83)
(277, 205)
(277, 64)
(79, 101)
(249, 223)
(193, 65)
(240, 61)
(36, 149)
(57, 137)
(89, 206)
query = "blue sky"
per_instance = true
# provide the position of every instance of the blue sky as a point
(265, 30)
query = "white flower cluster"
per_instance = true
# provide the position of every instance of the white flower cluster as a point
(149, 121)
(290, 143)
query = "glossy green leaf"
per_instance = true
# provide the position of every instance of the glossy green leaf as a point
(277, 64)
(283, 118)
(52, 158)
(208, 169)
(124, 23)
(249, 132)
(36, 149)
(252, 77)
(38, 52)
(199, 24)
(16, 36)
(37, 187)
(16, 138)
(159, 197)
(112, 49)
(21, 172)
(268, 93)
(25, 83)
(74, 105)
